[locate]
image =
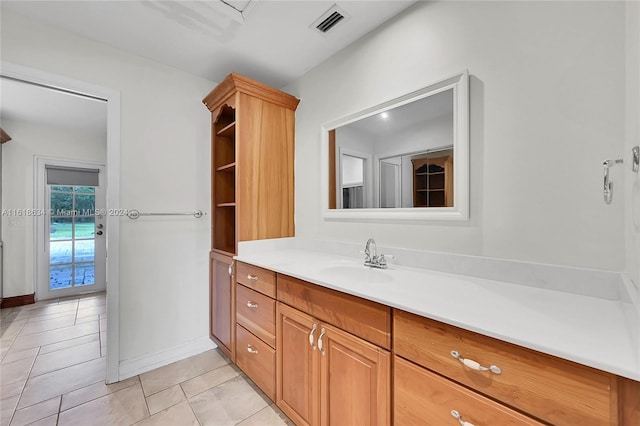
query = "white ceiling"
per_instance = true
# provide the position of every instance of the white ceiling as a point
(270, 41)
(50, 107)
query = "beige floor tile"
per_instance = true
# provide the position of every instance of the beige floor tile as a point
(52, 316)
(180, 414)
(12, 328)
(11, 389)
(209, 380)
(269, 416)
(36, 412)
(88, 318)
(12, 355)
(40, 326)
(65, 358)
(7, 406)
(5, 312)
(91, 310)
(48, 421)
(178, 372)
(95, 337)
(94, 391)
(227, 404)
(124, 407)
(58, 382)
(54, 336)
(15, 371)
(92, 301)
(47, 310)
(3, 351)
(165, 399)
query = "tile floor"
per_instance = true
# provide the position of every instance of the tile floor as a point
(52, 372)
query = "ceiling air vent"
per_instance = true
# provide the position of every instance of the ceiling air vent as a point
(329, 19)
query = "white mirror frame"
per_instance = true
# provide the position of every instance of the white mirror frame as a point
(460, 210)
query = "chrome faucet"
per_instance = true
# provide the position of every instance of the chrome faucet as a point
(371, 258)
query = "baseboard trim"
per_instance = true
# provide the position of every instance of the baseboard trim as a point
(12, 302)
(133, 367)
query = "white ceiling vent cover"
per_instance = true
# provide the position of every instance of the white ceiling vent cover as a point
(329, 19)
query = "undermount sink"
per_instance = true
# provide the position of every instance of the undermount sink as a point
(355, 272)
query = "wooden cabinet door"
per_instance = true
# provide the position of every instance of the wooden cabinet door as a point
(354, 380)
(222, 303)
(297, 365)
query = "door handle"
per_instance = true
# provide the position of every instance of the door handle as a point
(99, 233)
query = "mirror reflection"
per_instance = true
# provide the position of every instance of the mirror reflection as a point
(402, 157)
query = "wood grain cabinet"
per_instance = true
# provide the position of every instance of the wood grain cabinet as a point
(252, 182)
(545, 388)
(221, 302)
(325, 375)
(256, 325)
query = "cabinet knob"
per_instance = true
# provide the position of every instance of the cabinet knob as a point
(252, 277)
(458, 417)
(251, 350)
(311, 336)
(474, 365)
(320, 343)
(251, 304)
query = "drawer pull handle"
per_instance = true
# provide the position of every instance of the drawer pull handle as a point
(311, 337)
(252, 277)
(475, 365)
(322, 333)
(458, 417)
(251, 350)
(230, 270)
(251, 304)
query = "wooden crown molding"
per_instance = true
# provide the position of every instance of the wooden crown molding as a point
(238, 83)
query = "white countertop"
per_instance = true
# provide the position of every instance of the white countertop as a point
(597, 331)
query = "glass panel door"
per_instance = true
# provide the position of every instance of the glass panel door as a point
(72, 245)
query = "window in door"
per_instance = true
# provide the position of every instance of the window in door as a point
(72, 236)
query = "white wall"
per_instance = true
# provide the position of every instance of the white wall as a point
(632, 139)
(164, 166)
(546, 108)
(29, 140)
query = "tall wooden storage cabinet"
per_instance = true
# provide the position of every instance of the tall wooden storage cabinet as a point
(252, 183)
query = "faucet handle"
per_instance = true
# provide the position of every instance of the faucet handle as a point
(382, 259)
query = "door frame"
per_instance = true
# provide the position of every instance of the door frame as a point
(41, 203)
(112, 96)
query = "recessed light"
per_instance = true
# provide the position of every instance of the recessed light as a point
(384, 115)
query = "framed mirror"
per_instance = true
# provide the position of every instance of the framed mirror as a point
(404, 159)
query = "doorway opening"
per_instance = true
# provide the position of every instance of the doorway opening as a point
(73, 87)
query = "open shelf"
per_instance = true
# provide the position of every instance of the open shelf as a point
(227, 167)
(224, 182)
(228, 131)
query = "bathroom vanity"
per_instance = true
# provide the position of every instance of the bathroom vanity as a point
(333, 342)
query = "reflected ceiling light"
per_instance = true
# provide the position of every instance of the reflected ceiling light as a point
(384, 115)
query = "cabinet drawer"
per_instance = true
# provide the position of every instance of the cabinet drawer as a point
(257, 313)
(368, 320)
(424, 398)
(257, 360)
(555, 390)
(260, 279)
